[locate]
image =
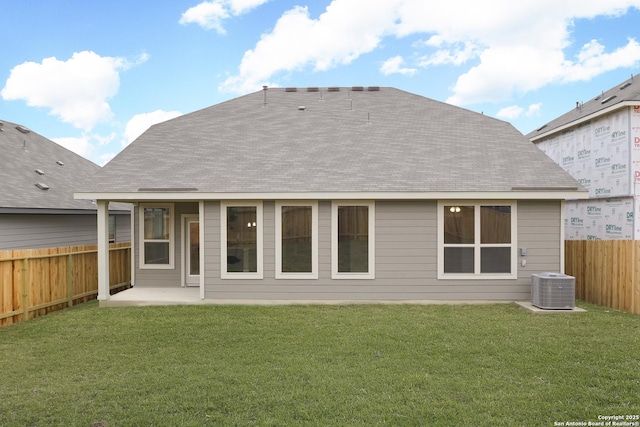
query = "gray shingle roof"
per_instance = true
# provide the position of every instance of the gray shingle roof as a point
(24, 152)
(330, 140)
(628, 90)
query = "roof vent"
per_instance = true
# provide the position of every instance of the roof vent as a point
(312, 89)
(357, 88)
(333, 89)
(291, 89)
(42, 186)
(540, 128)
(39, 172)
(59, 163)
(301, 108)
(22, 129)
(607, 99)
(373, 88)
(626, 85)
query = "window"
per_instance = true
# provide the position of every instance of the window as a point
(296, 240)
(156, 235)
(241, 231)
(477, 240)
(352, 240)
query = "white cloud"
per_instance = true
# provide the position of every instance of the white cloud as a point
(593, 60)
(534, 110)
(105, 158)
(210, 14)
(517, 46)
(455, 53)
(515, 111)
(141, 122)
(510, 113)
(394, 66)
(80, 146)
(242, 6)
(75, 90)
(337, 37)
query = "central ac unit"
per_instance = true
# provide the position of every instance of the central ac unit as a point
(553, 291)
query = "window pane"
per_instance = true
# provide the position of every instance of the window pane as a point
(156, 223)
(156, 252)
(242, 243)
(194, 248)
(353, 239)
(458, 260)
(296, 239)
(458, 224)
(495, 260)
(495, 224)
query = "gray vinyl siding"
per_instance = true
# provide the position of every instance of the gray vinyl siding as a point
(123, 228)
(406, 258)
(539, 231)
(212, 239)
(150, 277)
(30, 231)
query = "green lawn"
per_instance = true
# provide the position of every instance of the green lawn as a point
(487, 365)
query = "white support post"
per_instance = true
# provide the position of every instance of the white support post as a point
(202, 244)
(103, 250)
(562, 217)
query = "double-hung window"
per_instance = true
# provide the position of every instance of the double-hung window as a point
(296, 240)
(156, 236)
(477, 240)
(352, 240)
(241, 242)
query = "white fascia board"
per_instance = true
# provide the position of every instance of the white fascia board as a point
(560, 194)
(591, 116)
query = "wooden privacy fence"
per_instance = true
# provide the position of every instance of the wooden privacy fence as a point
(607, 272)
(34, 282)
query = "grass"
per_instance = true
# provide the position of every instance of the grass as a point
(404, 365)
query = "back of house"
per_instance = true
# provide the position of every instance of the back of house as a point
(337, 194)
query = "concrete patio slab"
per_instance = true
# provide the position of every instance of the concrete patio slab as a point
(532, 308)
(145, 296)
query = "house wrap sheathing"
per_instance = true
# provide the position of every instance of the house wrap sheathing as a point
(598, 143)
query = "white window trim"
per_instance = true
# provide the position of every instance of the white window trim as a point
(224, 274)
(477, 245)
(314, 240)
(171, 240)
(335, 274)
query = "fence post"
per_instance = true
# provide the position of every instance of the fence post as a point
(70, 279)
(25, 293)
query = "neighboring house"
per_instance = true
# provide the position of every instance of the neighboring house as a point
(37, 208)
(598, 143)
(361, 193)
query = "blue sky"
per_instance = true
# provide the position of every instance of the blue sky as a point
(93, 75)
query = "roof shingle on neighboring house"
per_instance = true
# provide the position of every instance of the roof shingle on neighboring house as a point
(359, 139)
(614, 98)
(37, 173)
